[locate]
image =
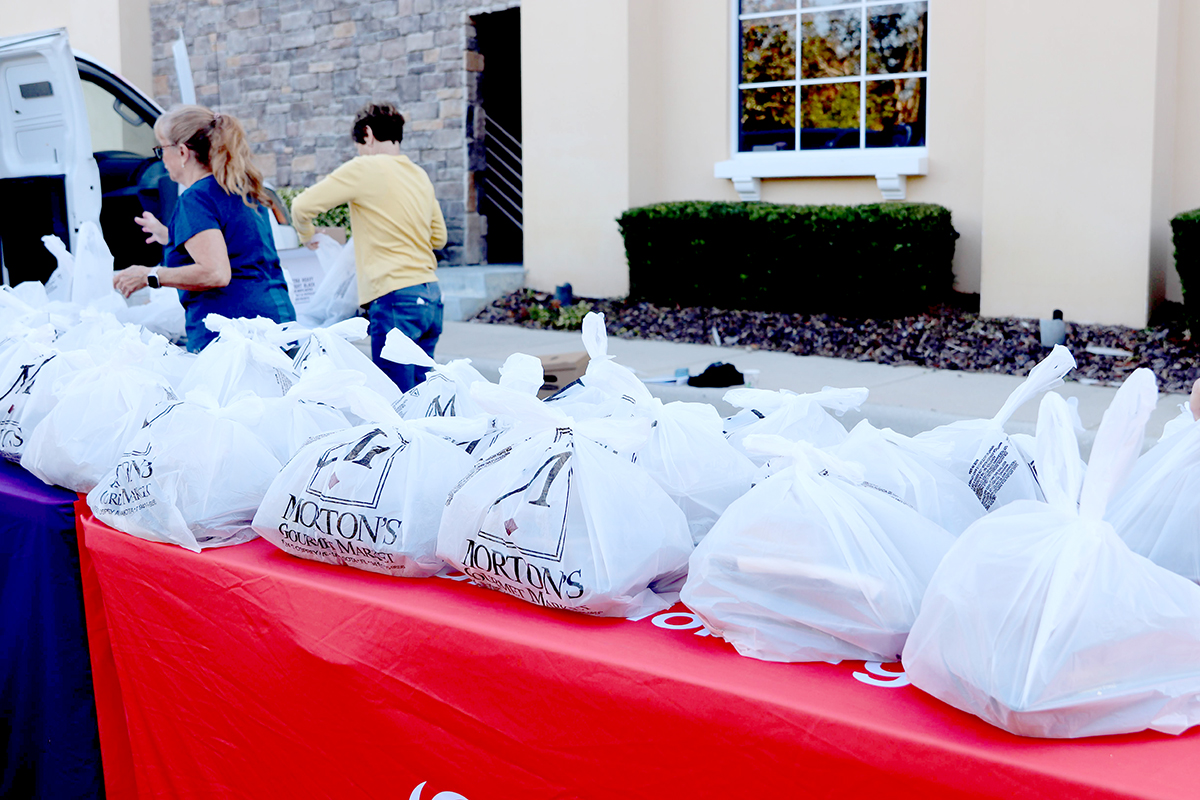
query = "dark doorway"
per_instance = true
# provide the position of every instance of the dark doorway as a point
(498, 38)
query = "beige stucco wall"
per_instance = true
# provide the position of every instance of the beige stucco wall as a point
(117, 32)
(1069, 158)
(1185, 173)
(575, 118)
(663, 66)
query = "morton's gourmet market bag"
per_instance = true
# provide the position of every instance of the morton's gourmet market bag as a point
(190, 477)
(555, 517)
(369, 497)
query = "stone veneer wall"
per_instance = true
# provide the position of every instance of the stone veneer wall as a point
(296, 71)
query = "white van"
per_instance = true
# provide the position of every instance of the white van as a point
(77, 143)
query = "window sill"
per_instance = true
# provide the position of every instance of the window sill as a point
(888, 166)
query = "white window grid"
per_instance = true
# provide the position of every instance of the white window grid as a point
(863, 6)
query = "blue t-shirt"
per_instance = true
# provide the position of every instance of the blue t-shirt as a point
(256, 286)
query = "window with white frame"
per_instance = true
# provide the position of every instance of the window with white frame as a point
(825, 75)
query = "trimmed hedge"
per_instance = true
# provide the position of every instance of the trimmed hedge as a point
(877, 260)
(1185, 233)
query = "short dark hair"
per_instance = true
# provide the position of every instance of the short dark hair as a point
(385, 122)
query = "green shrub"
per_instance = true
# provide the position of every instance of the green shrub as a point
(1185, 233)
(877, 260)
(336, 217)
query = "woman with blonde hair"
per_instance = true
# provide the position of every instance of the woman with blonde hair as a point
(219, 250)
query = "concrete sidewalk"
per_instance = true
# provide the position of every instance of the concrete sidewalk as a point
(906, 399)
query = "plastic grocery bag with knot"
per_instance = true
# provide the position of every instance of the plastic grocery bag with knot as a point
(1157, 513)
(909, 471)
(797, 417)
(369, 497)
(553, 516)
(686, 453)
(246, 356)
(99, 410)
(984, 456)
(813, 565)
(191, 476)
(30, 371)
(337, 343)
(1041, 621)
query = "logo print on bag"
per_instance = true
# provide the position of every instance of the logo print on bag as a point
(368, 453)
(545, 533)
(24, 381)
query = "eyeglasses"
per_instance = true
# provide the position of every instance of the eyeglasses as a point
(158, 151)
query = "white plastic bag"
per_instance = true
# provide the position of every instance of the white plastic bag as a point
(189, 477)
(245, 356)
(285, 424)
(98, 411)
(555, 518)
(445, 392)
(686, 454)
(29, 374)
(798, 417)
(812, 566)
(908, 471)
(982, 454)
(1041, 621)
(336, 297)
(1157, 513)
(369, 497)
(162, 313)
(335, 342)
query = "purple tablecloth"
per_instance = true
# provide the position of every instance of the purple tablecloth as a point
(48, 739)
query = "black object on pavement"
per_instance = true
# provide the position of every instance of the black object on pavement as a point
(718, 374)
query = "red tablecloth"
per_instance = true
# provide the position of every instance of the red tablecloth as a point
(246, 672)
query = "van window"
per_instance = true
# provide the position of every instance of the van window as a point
(114, 125)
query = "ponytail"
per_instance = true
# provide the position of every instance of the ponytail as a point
(219, 142)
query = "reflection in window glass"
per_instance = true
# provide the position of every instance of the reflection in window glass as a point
(829, 116)
(831, 44)
(759, 6)
(896, 113)
(768, 119)
(768, 49)
(109, 129)
(821, 74)
(896, 38)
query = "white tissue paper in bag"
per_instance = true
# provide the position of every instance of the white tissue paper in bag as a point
(369, 497)
(810, 565)
(983, 455)
(1041, 621)
(190, 477)
(555, 518)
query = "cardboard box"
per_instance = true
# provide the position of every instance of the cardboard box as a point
(561, 369)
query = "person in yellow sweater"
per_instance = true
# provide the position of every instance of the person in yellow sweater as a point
(397, 225)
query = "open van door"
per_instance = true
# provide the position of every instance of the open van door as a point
(49, 181)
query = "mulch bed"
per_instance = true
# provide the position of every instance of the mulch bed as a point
(951, 336)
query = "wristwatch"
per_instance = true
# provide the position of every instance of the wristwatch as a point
(152, 278)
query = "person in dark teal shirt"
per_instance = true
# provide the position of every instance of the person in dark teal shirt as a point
(219, 252)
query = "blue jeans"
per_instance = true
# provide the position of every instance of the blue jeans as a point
(417, 312)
